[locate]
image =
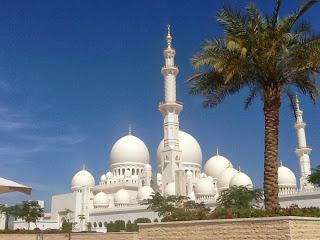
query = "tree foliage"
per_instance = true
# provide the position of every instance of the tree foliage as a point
(237, 202)
(68, 227)
(29, 211)
(271, 57)
(240, 197)
(89, 226)
(177, 208)
(314, 178)
(133, 227)
(117, 226)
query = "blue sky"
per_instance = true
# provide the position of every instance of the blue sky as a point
(74, 74)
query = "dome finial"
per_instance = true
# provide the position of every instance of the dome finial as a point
(169, 38)
(280, 163)
(217, 151)
(83, 167)
(130, 129)
(239, 168)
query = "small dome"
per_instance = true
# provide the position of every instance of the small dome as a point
(170, 189)
(286, 178)
(216, 165)
(147, 167)
(122, 197)
(82, 178)
(109, 175)
(103, 178)
(225, 178)
(145, 192)
(189, 174)
(100, 200)
(129, 149)
(241, 179)
(204, 186)
(190, 149)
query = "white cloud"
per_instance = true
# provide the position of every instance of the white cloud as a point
(21, 136)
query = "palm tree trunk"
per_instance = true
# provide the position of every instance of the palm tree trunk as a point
(272, 103)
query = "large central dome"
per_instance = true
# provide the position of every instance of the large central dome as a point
(190, 149)
(129, 149)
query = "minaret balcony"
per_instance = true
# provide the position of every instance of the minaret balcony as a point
(169, 70)
(174, 107)
(300, 125)
(169, 52)
(303, 150)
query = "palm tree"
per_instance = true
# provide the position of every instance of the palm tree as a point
(269, 55)
(314, 178)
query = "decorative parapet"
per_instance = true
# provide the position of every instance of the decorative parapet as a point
(290, 192)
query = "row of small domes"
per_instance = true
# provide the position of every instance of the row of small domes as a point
(204, 186)
(122, 196)
(221, 168)
(227, 177)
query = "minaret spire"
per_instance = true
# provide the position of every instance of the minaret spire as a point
(169, 37)
(170, 110)
(130, 129)
(302, 150)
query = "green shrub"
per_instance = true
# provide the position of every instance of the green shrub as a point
(177, 208)
(294, 210)
(110, 227)
(142, 220)
(131, 227)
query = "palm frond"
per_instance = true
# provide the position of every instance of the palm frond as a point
(291, 97)
(307, 85)
(305, 7)
(275, 15)
(291, 20)
(251, 96)
(233, 22)
(211, 51)
(212, 86)
(255, 18)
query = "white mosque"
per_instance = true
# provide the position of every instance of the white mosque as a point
(180, 171)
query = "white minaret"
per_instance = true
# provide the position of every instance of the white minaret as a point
(170, 110)
(302, 150)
